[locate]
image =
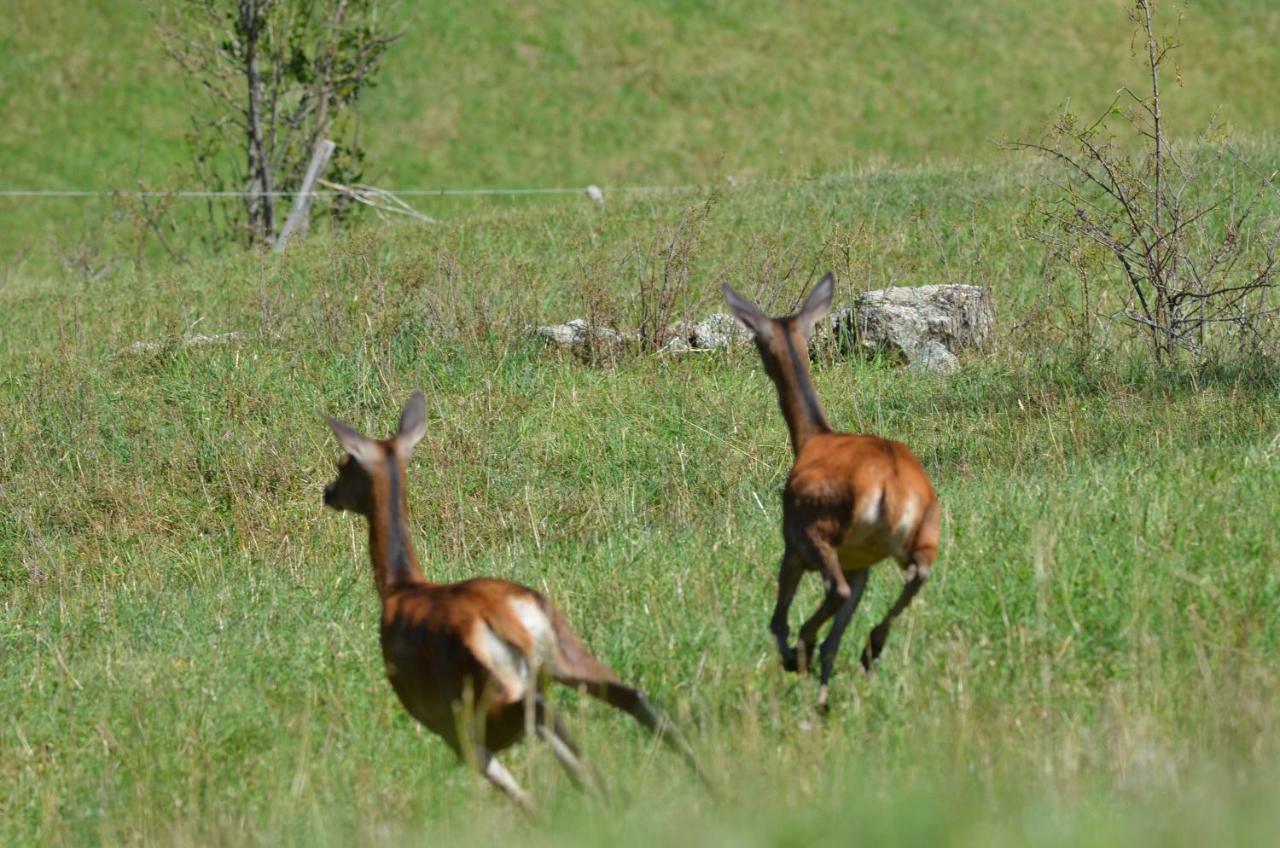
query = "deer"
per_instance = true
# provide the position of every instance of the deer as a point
(471, 660)
(850, 500)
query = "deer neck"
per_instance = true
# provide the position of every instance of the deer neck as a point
(394, 561)
(796, 396)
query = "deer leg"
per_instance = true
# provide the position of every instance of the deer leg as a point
(578, 769)
(823, 556)
(830, 605)
(633, 702)
(789, 574)
(830, 645)
(497, 774)
(917, 574)
(576, 667)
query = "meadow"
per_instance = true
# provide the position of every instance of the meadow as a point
(188, 639)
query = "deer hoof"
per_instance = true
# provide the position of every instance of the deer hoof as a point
(822, 708)
(789, 661)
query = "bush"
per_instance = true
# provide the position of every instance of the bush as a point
(1167, 236)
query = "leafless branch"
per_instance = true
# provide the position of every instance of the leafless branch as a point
(1175, 219)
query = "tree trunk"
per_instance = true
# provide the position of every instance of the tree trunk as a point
(261, 201)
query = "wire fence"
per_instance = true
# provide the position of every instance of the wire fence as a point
(592, 191)
(412, 192)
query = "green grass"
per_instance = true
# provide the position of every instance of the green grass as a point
(531, 94)
(189, 638)
(188, 645)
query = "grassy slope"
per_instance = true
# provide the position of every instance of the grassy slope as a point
(189, 638)
(484, 94)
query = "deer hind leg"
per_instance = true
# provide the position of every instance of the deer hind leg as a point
(917, 565)
(831, 645)
(581, 773)
(830, 605)
(633, 702)
(497, 774)
(576, 666)
(789, 573)
(917, 574)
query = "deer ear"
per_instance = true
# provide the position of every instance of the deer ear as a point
(364, 451)
(816, 305)
(413, 422)
(747, 312)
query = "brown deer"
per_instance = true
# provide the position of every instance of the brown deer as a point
(850, 500)
(471, 660)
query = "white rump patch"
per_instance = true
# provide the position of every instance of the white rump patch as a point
(538, 624)
(868, 512)
(907, 520)
(505, 662)
(512, 668)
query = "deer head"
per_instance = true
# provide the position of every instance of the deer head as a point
(364, 471)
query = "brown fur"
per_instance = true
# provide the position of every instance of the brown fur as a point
(850, 500)
(448, 648)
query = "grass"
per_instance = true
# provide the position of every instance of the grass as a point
(188, 648)
(190, 638)
(496, 94)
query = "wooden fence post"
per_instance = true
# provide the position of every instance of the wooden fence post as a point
(299, 220)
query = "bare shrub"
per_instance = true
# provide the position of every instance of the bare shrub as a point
(84, 259)
(664, 274)
(1182, 227)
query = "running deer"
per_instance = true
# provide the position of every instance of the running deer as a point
(471, 660)
(850, 500)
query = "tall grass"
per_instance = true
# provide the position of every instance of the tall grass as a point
(189, 640)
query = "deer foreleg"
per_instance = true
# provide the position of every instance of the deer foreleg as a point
(831, 645)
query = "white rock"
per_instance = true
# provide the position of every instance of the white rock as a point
(903, 321)
(585, 339)
(934, 358)
(198, 340)
(718, 330)
(677, 344)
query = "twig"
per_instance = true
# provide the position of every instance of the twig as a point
(378, 199)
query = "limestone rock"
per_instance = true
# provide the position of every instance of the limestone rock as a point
(677, 342)
(198, 340)
(585, 339)
(934, 358)
(915, 322)
(714, 332)
(718, 330)
(924, 326)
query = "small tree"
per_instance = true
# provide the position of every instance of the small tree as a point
(1176, 224)
(271, 79)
